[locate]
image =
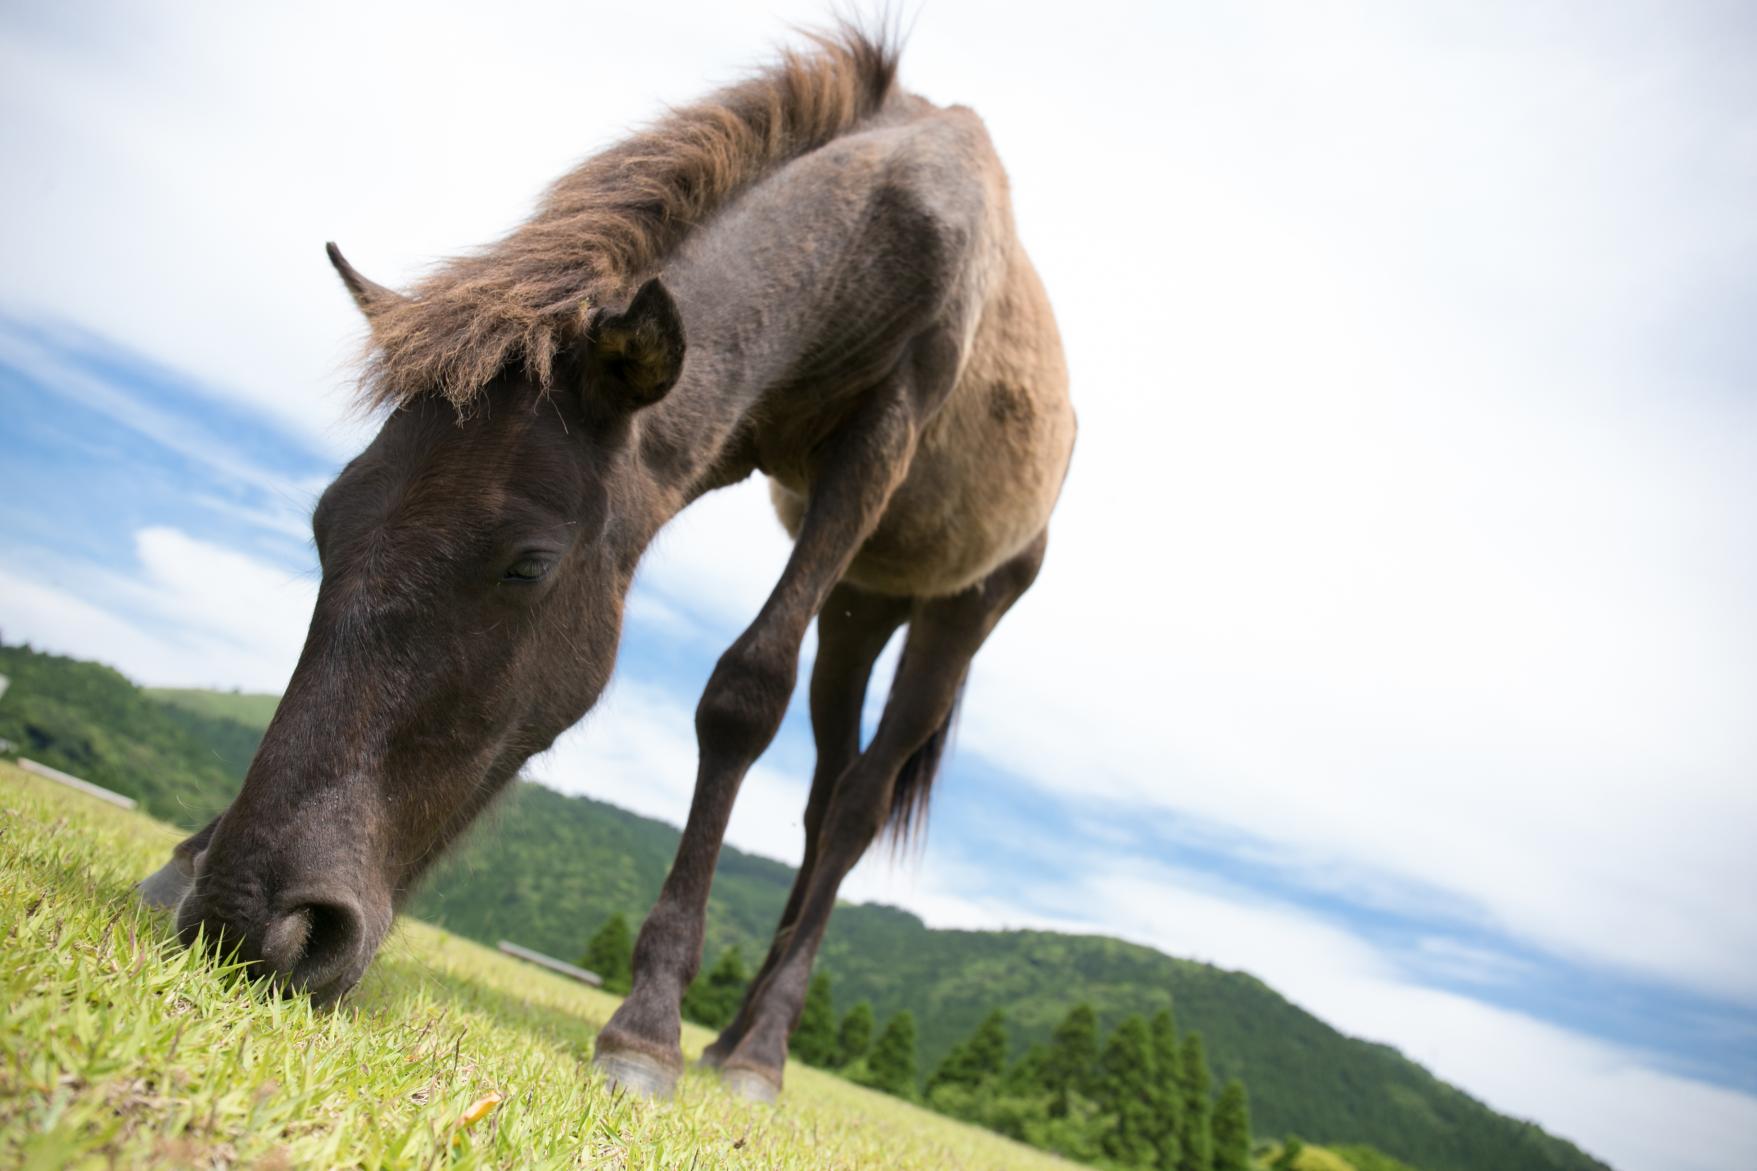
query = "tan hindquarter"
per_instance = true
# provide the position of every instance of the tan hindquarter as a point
(989, 465)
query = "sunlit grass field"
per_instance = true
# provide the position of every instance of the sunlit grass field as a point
(118, 1049)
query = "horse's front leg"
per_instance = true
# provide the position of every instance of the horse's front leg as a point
(739, 714)
(944, 635)
(852, 632)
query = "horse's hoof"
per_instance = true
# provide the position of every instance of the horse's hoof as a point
(751, 1085)
(710, 1059)
(636, 1073)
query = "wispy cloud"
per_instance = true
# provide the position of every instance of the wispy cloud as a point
(637, 750)
(270, 487)
(1470, 963)
(188, 613)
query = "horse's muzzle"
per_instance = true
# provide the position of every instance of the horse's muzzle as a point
(317, 942)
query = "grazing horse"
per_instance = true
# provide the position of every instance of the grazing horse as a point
(812, 274)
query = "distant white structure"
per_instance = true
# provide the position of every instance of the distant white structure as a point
(5, 744)
(553, 964)
(73, 782)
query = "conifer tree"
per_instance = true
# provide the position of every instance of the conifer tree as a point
(814, 1037)
(1024, 1078)
(953, 1069)
(713, 998)
(1168, 1091)
(1194, 1137)
(987, 1047)
(1073, 1048)
(1124, 1089)
(855, 1034)
(892, 1064)
(611, 954)
(980, 1058)
(1232, 1129)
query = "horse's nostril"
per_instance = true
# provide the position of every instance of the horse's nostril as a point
(315, 944)
(284, 941)
(332, 945)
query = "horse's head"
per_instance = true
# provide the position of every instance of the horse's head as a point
(473, 573)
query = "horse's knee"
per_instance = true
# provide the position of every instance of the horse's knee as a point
(746, 697)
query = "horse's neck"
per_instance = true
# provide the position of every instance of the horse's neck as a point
(695, 439)
(739, 342)
(789, 297)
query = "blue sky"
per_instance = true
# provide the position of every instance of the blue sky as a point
(1396, 642)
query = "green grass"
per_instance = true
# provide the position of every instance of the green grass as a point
(119, 1049)
(250, 708)
(1314, 1158)
(1356, 1157)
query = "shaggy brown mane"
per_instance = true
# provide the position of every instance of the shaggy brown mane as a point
(611, 220)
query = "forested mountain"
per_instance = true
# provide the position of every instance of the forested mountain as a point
(546, 870)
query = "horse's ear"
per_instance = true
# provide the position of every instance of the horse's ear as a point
(371, 296)
(633, 357)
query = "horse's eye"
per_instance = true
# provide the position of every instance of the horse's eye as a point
(527, 569)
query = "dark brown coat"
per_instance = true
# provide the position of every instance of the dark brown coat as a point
(813, 275)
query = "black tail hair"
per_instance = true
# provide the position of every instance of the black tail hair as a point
(906, 821)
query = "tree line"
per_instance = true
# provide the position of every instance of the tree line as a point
(1140, 1098)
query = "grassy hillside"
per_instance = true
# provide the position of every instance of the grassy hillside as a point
(1310, 1157)
(92, 722)
(118, 1050)
(251, 708)
(548, 869)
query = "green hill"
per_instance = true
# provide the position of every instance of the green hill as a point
(252, 708)
(547, 869)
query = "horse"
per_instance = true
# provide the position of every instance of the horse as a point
(813, 274)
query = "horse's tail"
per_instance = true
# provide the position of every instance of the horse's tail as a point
(907, 818)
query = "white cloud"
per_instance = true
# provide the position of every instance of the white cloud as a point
(194, 615)
(192, 228)
(720, 558)
(1512, 702)
(1478, 965)
(1381, 543)
(637, 750)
